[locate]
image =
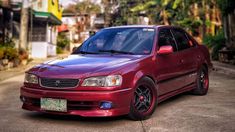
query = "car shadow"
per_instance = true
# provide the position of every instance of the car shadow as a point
(175, 98)
(46, 116)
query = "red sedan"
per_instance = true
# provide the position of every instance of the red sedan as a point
(123, 70)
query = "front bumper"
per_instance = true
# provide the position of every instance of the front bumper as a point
(83, 103)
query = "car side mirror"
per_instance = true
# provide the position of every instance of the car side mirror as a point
(165, 50)
(92, 33)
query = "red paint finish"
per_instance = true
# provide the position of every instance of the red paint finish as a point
(173, 72)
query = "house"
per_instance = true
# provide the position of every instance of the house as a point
(7, 15)
(44, 16)
(78, 27)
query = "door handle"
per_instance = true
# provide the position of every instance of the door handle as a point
(198, 57)
(181, 61)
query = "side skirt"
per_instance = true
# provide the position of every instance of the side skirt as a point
(176, 92)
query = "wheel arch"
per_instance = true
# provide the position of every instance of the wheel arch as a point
(205, 65)
(146, 79)
(139, 75)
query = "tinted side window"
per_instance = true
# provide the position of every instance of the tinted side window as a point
(192, 42)
(165, 38)
(181, 39)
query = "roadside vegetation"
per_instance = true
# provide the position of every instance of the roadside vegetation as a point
(10, 56)
(211, 22)
(62, 43)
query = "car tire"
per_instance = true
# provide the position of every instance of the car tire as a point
(202, 82)
(144, 100)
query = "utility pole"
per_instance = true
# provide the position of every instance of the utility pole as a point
(24, 24)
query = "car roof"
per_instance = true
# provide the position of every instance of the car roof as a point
(141, 26)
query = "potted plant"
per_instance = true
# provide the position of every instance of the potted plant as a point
(23, 56)
(10, 55)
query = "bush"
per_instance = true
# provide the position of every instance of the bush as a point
(215, 43)
(23, 54)
(190, 24)
(1, 53)
(8, 42)
(10, 53)
(62, 41)
(59, 50)
(7, 50)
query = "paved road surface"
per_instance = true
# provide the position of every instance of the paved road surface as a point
(183, 113)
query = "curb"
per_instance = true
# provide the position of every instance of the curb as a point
(224, 68)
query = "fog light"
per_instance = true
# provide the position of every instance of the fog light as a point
(105, 105)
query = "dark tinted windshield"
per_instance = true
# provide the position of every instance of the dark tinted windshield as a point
(120, 40)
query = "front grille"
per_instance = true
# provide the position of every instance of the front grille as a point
(58, 83)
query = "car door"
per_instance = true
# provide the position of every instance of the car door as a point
(168, 67)
(187, 55)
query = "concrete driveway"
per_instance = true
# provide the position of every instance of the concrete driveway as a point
(184, 113)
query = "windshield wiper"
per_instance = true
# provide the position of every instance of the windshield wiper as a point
(116, 51)
(86, 52)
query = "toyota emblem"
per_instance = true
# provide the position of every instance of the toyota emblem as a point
(57, 83)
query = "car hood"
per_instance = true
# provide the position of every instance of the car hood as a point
(77, 66)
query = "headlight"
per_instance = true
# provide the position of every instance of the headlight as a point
(103, 81)
(31, 78)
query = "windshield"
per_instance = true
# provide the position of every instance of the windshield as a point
(120, 41)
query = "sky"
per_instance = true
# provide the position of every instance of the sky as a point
(65, 3)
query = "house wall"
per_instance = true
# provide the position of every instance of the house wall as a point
(49, 6)
(42, 40)
(41, 6)
(39, 49)
(48, 45)
(46, 38)
(51, 40)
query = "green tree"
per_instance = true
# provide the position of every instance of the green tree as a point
(157, 6)
(86, 8)
(113, 16)
(62, 42)
(190, 14)
(227, 8)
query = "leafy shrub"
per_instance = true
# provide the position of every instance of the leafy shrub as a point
(190, 24)
(59, 50)
(8, 42)
(62, 41)
(1, 53)
(23, 54)
(10, 53)
(215, 43)
(7, 50)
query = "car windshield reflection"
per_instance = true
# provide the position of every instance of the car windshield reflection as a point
(119, 41)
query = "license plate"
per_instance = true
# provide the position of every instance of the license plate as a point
(51, 104)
